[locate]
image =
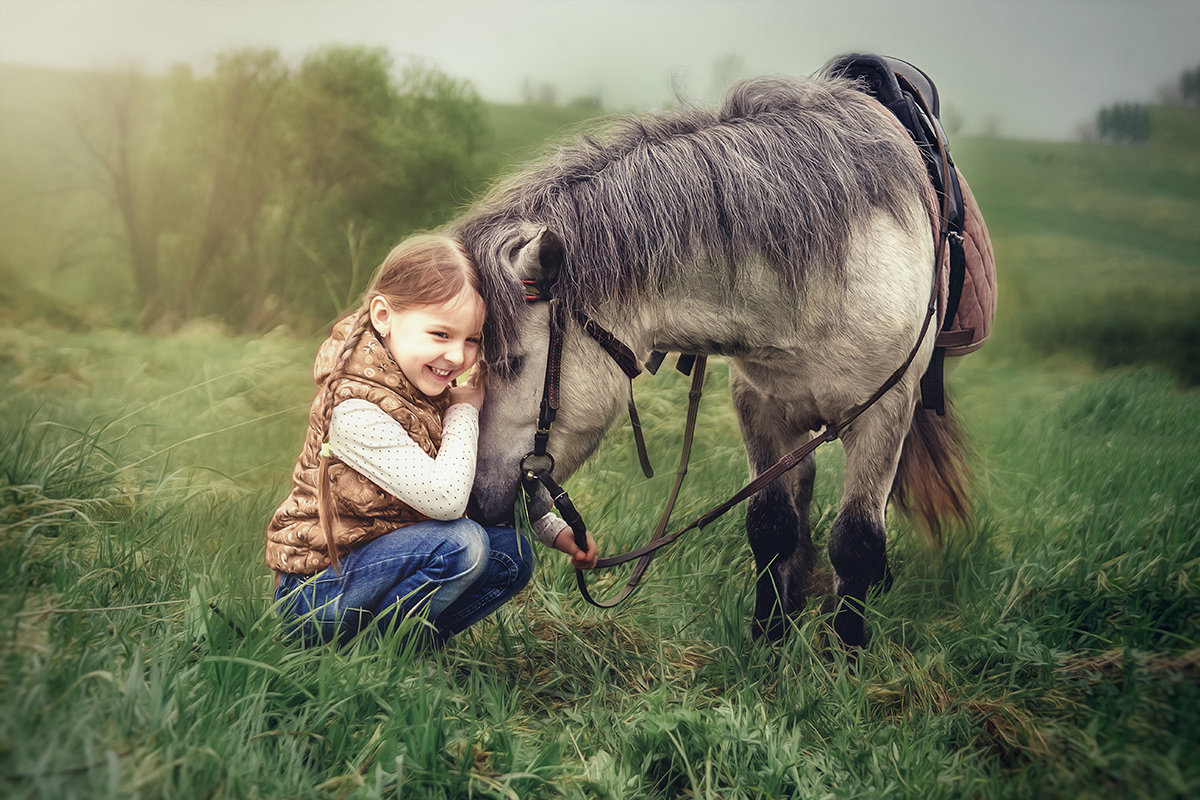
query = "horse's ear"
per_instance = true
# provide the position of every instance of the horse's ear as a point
(540, 258)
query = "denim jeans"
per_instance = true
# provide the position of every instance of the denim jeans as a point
(454, 572)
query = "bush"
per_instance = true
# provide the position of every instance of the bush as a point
(1128, 326)
(1124, 123)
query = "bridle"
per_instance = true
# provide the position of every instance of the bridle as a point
(537, 466)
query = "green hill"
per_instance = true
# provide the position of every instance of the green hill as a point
(1097, 245)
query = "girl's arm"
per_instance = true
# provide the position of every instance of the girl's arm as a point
(365, 437)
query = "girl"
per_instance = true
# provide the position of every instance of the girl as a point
(373, 530)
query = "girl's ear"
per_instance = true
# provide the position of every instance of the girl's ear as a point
(381, 315)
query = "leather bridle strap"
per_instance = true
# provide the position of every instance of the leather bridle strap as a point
(642, 554)
(620, 353)
(538, 464)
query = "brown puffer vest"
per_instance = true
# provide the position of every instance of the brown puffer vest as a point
(295, 542)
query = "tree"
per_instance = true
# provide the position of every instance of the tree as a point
(374, 159)
(1189, 85)
(133, 175)
(440, 128)
(1124, 123)
(258, 188)
(538, 93)
(238, 122)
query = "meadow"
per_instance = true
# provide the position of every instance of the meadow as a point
(1048, 649)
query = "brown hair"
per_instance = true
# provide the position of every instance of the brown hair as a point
(423, 270)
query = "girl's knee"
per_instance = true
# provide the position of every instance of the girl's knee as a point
(473, 543)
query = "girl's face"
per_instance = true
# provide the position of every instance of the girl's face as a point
(435, 344)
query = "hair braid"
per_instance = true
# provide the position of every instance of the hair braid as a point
(326, 508)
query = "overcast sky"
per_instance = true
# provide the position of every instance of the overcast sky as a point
(1037, 68)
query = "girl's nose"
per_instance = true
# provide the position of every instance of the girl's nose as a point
(455, 353)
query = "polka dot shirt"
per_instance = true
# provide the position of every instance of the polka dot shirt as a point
(370, 441)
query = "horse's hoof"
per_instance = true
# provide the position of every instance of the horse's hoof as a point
(849, 625)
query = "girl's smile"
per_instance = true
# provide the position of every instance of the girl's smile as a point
(433, 345)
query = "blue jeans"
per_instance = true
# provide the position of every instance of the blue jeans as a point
(453, 572)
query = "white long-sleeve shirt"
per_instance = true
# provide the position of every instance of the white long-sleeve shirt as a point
(370, 441)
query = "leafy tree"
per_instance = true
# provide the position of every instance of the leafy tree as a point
(374, 159)
(238, 170)
(259, 192)
(1189, 85)
(440, 129)
(1124, 123)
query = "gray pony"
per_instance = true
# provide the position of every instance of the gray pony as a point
(790, 232)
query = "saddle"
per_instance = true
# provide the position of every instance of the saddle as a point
(967, 296)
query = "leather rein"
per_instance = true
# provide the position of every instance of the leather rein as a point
(537, 466)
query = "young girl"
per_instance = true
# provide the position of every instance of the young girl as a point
(388, 462)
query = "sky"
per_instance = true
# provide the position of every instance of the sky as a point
(1024, 68)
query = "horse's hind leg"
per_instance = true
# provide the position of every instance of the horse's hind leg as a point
(858, 539)
(777, 518)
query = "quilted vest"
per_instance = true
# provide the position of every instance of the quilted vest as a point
(295, 542)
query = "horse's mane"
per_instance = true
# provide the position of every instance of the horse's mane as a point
(781, 172)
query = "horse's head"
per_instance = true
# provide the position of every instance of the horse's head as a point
(592, 388)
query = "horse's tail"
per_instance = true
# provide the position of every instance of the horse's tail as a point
(932, 479)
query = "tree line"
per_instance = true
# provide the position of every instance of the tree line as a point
(1129, 123)
(263, 192)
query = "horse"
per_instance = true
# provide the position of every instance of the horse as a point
(787, 230)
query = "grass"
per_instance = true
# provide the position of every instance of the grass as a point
(1049, 649)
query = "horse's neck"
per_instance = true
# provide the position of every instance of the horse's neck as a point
(745, 315)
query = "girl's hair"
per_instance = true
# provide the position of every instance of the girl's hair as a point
(423, 270)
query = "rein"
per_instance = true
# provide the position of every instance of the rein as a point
(537, 466)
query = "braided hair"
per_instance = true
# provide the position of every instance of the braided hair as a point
(424, 270)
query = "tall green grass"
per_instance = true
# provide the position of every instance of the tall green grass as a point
(1048, 650)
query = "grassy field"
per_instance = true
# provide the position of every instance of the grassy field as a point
(1048, 650)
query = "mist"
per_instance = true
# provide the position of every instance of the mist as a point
(1035, 69)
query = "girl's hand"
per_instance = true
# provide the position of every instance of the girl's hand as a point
(472, 391)
(565, 542)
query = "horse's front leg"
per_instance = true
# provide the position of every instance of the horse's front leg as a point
(858, 538)
(777, 518)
